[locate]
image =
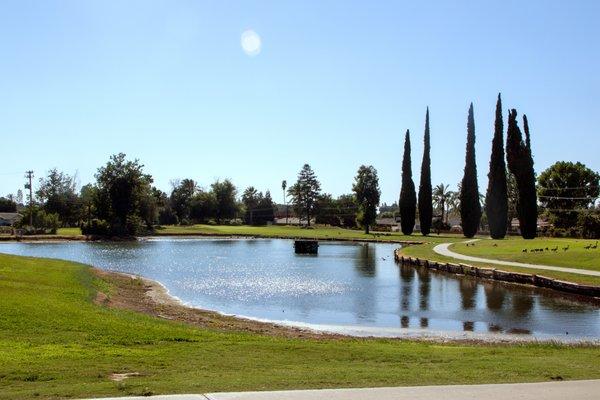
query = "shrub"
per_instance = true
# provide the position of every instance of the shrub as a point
(589, 225)
(96, 227)
(42, 222)
(167, 216)
(439, 225)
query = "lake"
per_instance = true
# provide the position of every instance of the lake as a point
(348, 287)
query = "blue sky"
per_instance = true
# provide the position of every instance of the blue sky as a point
(336, 84)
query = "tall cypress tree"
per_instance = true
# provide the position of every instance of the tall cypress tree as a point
(408, 197)
(520, 164)
(425, 198)
(470, 208)
(496, 198)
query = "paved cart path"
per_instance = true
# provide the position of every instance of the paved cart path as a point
(442, 249)
(581, 390)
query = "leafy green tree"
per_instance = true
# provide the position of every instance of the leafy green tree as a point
(496, 206)
(122, 185)
(7, 205)
(203, 207)
(347, 209)
(391, 209)
(225, 195)
(266, 208)
(57, 194)
(425, 190)
(589, 224)
(565, 189)
(181, 198)
(408, 197)
(520, 164)
(87, 196)
(470, 207)
(366, 190)
(259, 209)
(305, 192)
(326, 210)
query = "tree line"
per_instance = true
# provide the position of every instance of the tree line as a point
(123, 200)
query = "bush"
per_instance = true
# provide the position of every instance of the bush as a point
(439, 226)
(167, 216)
(42, 222)
(96, 227)
(589, 224)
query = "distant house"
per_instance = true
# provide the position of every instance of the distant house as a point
(392, 224)
(541, 224)
(9, 219)
(386, 222)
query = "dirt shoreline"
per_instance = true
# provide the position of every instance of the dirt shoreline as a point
(139, 294)
(143, 295)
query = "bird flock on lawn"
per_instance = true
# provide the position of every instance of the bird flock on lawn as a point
(542, 249)
(555, 249)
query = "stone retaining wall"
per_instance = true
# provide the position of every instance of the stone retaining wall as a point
(504, 276)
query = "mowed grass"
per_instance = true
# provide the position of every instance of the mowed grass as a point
(511, 249)
(425, 251)
(68, 232)
(56, 343)
(318, 232)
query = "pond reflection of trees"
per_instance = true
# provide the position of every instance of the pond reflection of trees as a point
(468, 290)
(407, 275)
(365, 260)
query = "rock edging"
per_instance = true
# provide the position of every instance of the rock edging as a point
(503, 276)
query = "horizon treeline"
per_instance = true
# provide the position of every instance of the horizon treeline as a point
(123, 200)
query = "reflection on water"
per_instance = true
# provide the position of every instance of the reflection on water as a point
(468, 290)
(424, 286)
(494, 295)
(365, 259)
(355, 284)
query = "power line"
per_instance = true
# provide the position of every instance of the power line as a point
(569, 198)
(569, 188)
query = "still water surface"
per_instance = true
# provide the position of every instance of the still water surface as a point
(354, 285)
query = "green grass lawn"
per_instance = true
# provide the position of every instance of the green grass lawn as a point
(425, 251)
(512, 250)
(68, 231)
(319, 232)
(56, 343)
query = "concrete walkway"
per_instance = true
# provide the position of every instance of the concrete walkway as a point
(442, 249)
(580, 390)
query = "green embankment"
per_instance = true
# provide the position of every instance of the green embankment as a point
(575, 256)
(56, 343)
(511, 250)
(318, 232)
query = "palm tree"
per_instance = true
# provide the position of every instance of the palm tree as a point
(441, 195)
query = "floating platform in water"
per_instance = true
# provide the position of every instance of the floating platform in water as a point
(306, 247)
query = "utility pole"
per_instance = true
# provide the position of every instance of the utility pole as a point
(29, 176)
(284, 186)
